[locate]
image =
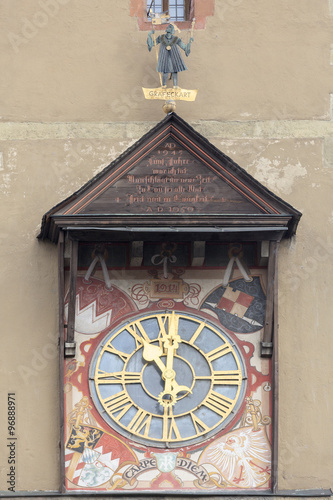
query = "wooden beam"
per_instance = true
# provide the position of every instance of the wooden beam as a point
(198, 253)
(136, 253)
(61, 299)
(263, 247)
(267, 341)
(275, 383)
(69, 344)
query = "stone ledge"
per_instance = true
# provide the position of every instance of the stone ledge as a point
(30, 131)
(170, 496)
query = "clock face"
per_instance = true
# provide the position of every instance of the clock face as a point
(167, 379)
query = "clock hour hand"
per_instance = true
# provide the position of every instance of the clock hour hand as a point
(153, 353)
(171, 389)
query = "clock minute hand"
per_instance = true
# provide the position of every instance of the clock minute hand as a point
(171, 342)
(173, 326)
(168, 397)
(169, 373)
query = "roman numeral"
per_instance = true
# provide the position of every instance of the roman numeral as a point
(161, 324)
(199, 425)
(141, 420)
(123, 355)
(118, 377)
(197, 333)
(118, 404)
(220, 351)
(218, 403)
(132, 329)
(227, 377)
(170, 429)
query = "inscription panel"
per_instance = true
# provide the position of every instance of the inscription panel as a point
(170, 181)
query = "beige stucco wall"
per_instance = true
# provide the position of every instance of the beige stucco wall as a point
(71, 103)
(86, 60)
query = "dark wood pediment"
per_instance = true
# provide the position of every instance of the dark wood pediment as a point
(172, 179)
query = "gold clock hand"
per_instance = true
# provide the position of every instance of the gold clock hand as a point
(154, 353)
(173, 327)
(171, 343)
(169, 374)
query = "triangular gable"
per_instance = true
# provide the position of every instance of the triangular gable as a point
(171, 175)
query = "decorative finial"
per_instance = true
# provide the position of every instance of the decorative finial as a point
(169, 106)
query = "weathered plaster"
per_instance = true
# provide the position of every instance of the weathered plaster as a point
(279, 178)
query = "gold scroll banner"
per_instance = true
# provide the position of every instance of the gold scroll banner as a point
(170, 94)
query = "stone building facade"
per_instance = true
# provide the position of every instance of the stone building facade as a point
(73, 72)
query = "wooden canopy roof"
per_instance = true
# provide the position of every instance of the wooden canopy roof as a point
(172, 180)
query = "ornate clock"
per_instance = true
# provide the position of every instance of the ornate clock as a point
(176, 400)
(167, 379)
